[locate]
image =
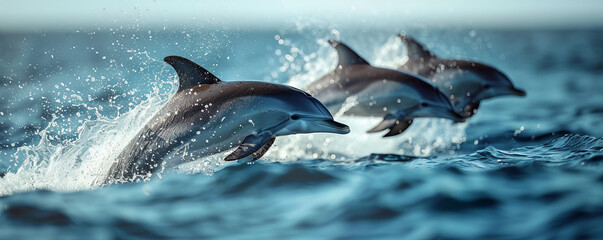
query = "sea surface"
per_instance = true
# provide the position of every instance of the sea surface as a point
(521, 168)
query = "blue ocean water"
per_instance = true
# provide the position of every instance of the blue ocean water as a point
(520, 168)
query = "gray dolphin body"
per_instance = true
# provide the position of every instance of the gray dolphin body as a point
(396, 96)
(465, 83)
(215, 116)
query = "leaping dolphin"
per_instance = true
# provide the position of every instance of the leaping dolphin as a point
(466, 83)
(397, 96)
(220, 116)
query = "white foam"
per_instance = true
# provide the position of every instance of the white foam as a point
(84, 163)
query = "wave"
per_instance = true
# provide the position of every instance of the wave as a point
(83, 162)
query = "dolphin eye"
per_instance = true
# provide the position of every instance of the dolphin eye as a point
(294, 117)
(487, 86)
(424, 104)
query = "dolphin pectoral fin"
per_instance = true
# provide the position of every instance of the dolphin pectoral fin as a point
(190, 73)
(396, 125)
(347, 56)
(416, 51)
(400, 127)
(253, 144)
(389, 121)
(260, 152)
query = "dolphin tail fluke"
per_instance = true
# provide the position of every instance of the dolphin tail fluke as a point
(416, 51)
(347, 56)
(394, 124)
(256, 145)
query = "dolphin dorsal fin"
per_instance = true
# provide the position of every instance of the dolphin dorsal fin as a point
(347, 56)
(416, 50)
(190, 73)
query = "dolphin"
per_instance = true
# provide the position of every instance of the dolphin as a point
(466, 83)
(397, 96)
(215, 116)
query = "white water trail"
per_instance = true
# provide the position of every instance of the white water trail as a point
(83, 163)
(79, 164)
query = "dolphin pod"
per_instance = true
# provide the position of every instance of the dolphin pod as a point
(466, 83)
(397, 96)
(216, 116)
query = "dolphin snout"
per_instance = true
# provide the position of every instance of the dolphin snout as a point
(519, 92)
(331, 126)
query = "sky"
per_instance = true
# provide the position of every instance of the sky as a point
(32, 15)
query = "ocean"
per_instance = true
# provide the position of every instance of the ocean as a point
(521, 168)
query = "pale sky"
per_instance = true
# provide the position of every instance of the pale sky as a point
(29, 15)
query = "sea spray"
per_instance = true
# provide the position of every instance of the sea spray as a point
(81, 163)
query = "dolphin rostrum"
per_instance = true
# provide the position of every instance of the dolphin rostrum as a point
(397, 96)
(466, 83)
(216, 116)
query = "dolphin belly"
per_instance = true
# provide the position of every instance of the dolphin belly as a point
(380, 98)
(226, 130)
(140, 157)
(461, 89)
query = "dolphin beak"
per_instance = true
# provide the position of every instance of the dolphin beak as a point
(519, 92)
(329, 126)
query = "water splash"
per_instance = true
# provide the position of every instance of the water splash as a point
(392, 54)
(82, 163)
